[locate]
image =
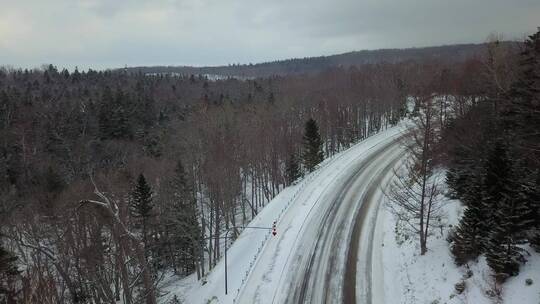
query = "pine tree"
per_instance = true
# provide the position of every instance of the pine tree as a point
(509, 215)
(292, 169)
(142, 205)
(183, 222)
(522, 112)
(495, 187)
(113, 116)
(467, 242)
(313, 154)
(503, 255)
(458, 177)
(104, 113)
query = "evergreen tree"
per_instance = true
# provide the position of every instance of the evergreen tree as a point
(183, 223)
(495, 188)
(509, 215)
(459, 177)
(114, 122)
(313, 154)
(523, 122)
(503, 255)
(467, 242)
(119, 117)
(142, 205)
(522, 112)
(104, 119)
(292, 169)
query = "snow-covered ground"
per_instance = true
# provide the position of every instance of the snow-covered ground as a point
(406, 277)
(261, 261)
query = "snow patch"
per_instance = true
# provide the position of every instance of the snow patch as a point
(408, 277)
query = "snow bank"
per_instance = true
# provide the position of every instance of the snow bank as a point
(408, 277)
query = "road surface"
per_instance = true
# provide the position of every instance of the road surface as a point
(316, 255)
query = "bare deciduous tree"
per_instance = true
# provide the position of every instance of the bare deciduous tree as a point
(414, 192)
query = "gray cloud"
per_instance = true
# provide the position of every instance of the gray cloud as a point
(112, 33)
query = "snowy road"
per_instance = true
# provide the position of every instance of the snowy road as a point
(314, 259)
(321, 233)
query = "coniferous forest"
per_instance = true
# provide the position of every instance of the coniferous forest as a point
(494, 166)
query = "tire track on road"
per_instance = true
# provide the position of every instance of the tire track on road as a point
(323, 256)
(349, 280)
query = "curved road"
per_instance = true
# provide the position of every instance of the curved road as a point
(321, 266)
(328, 268)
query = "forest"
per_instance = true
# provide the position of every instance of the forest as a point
(493, 158)
(111, 180)
(446, 54)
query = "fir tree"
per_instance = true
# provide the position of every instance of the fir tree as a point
(313, 154)
(141, 204)
(459, 177)
(467, 242)
(292, 169)
(509, 215)
(183, 222)
(495, 188)
(113, 116)
(522, 110)
(503, 255)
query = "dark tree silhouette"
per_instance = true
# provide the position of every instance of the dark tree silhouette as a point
(313, 154)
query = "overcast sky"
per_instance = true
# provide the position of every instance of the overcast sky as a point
(114, 33)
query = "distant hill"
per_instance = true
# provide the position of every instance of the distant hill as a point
(446, 53)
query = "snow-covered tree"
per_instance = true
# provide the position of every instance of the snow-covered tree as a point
(414, 193)
(467, 243)
(505, 204)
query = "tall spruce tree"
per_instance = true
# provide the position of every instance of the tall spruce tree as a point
(186, 233)
(508, 215)
(313, 154)
(142, 205)
(522, 115)
(292, 169)
(495, 187)
(523, 111)
(503, 255)
(467, 242)
(114, 122)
